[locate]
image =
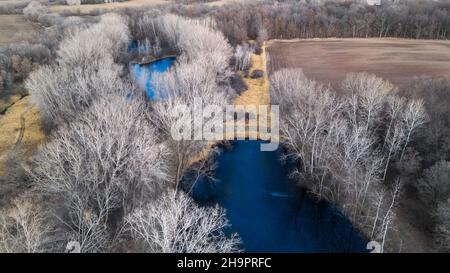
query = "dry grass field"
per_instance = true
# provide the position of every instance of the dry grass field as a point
(20, 124)
(118, 5)
(329, 60)
(14, 28)
(106, 6)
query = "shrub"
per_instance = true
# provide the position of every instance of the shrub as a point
(33, 10)
(238, 83)
(257, 74)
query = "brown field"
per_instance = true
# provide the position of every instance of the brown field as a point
(14, 28)
(329, 60)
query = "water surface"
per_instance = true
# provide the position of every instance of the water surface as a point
(144, 73)
(270, 213)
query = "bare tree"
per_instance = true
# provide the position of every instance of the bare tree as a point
(23, 227)
(195, 39)
(87, 47)
(243, 57)
(414, 117)
(434, 187)
(309, 113)
(187, 84)
(33, 10)
(335, 142)
(62, 92)
(100, 164)
(368, 96)
(175, 224)
(442, 229)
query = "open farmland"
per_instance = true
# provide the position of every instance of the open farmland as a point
(329, 60)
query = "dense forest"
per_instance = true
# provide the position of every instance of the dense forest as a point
(290, 19)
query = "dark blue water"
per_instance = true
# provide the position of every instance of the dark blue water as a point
(268, 211)
(144, 73)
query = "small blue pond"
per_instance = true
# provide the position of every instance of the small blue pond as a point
(144, 73)
(268, 211)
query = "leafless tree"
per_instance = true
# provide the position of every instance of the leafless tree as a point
(413, 117)
(33, 10)
(23, 227)
(335, 142)
(309, 111)
(62, 92)
(243, 57)
(434, 187)
(99, 164)
(196, 39)
(87, 47)
(368, 95)
(186, 84)
(175, 224)
(442, 229)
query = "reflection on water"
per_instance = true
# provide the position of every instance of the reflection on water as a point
(143, 74)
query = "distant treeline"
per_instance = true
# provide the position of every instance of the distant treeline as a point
(300, 19)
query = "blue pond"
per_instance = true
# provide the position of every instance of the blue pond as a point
(144, 73)
(268, 211)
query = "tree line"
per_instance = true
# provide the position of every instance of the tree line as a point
(288, 19)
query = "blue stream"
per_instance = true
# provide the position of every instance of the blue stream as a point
(268, 211)
(144, 73)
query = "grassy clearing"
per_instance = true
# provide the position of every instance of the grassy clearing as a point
(10, 124)
(14, 28)
(8, 101)
(257, 93)
(258, 89)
